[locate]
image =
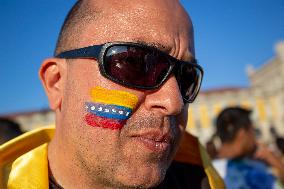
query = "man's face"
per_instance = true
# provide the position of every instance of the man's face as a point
(138, 153)
(249, 141)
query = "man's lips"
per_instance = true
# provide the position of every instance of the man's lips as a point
(154, 141)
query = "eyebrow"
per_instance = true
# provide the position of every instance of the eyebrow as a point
(156, 45)
(166, 49)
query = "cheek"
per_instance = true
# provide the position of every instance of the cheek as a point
(109, 109)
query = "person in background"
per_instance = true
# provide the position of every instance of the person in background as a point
(9, 129)
(242, 161)
(279, 140)
(212, 146)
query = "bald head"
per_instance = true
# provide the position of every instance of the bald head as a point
(115, 20)
(76, 20)
(124, 158)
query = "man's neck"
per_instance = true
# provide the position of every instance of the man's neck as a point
(229, 151)
(65, 171)
(62, 166)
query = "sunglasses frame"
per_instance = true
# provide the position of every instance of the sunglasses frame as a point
(98, 52)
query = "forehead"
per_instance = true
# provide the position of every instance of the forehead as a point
(159, 22)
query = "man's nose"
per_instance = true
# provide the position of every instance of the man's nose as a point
(167, 100)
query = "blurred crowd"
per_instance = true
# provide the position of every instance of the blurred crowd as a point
(9, 129)
(241, 159)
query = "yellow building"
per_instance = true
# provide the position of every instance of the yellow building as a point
(265, 96)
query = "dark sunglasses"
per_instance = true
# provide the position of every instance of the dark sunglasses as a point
(141, 66)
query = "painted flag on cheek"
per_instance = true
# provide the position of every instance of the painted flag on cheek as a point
(109, 108)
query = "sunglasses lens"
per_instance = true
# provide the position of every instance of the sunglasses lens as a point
(136, 66)
(140, 67)
(190, 80)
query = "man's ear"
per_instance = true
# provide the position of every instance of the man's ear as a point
(52, 75)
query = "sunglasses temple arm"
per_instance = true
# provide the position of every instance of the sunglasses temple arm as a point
(86, 52)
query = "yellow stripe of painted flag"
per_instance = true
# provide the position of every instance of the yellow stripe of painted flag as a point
(115, 97)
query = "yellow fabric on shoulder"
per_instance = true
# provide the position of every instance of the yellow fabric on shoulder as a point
(23, 160)
(214, 178)
(30, 170)
(24, 163)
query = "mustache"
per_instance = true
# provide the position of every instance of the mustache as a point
(146, 121)
(150, 122)
(160, 128)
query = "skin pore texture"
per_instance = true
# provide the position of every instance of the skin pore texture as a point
(138, 154)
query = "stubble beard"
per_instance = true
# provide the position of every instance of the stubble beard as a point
(103, 173)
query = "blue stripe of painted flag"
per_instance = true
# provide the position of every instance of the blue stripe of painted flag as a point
(110, 107)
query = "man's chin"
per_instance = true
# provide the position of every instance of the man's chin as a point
(143, 177)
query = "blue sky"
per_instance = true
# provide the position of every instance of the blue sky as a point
(228, 36)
